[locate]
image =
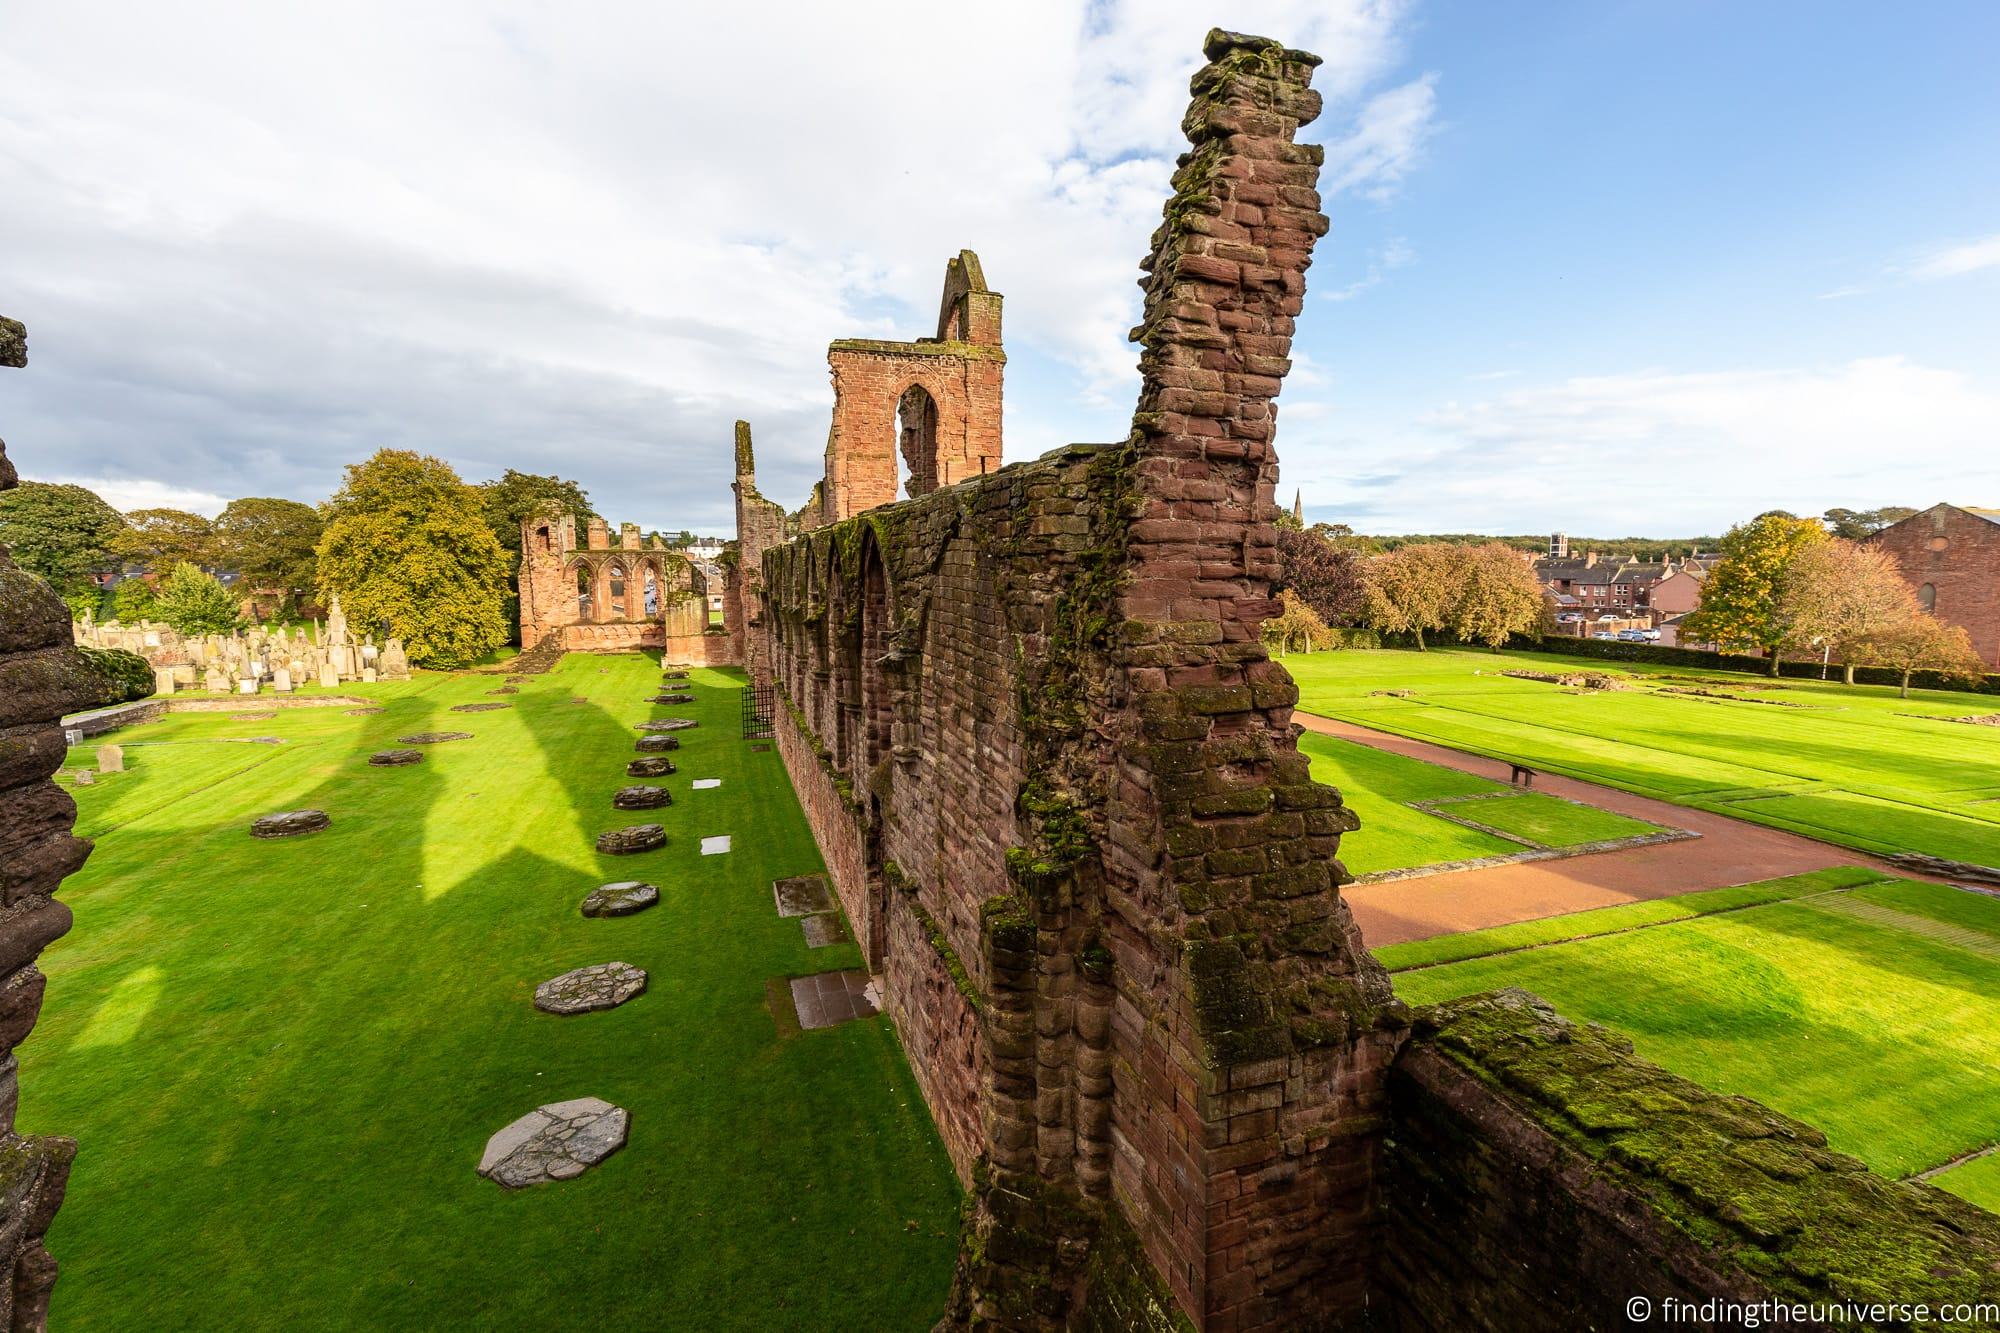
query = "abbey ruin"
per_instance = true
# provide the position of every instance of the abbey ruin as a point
(1055, 779)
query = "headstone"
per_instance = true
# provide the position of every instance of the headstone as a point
(329, 676)
(368, 675)
(248, 685)
(394, 663)
(281, 680)
(163, 680)
(555, 1142)
(290, 824)
(802, 895)
(84, 777)
(587, 989)
(620, 899)
(336, 622)
(111, 759)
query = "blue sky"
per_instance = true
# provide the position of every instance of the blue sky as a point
(1614, 268)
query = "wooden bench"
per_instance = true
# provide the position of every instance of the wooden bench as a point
(1522, 776)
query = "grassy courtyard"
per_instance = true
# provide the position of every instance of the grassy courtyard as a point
(1867, 1007)
(284, 1058)
(1856, 766)
(1402, 830)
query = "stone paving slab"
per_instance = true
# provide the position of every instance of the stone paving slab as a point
(715, 846)
(555, 1142)
(829, 998)
(822, 929)
(703, 784)
(435, 737)
(802, 895)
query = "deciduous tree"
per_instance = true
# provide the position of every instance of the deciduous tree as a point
(1297, 625)
(194, 601)
(509, 500)
(1411, 589)
(407, 545)
(1498, 595)
(1326, 577)
(159, 539)
(1922, 642)
(132, 601)
(271, 544)
(1854, 524)
(1739, 600)
(62, 533)
(1836, 595)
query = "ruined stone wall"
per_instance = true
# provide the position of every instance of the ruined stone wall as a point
(760, 525)
(555, 567)
(1059, 788)
(1539, 1177)
(42, 676)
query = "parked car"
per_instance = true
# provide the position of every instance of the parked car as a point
(1604, 634)
(1632, 635)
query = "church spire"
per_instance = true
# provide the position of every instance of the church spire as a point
(1299, 507)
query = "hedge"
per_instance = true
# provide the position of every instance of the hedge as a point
(1620, 650)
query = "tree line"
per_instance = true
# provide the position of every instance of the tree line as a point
(410, 549)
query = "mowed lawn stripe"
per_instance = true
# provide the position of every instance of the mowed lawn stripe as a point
(1843, 1022)
(283, 1059)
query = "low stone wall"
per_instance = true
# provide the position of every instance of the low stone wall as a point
(1540, 1176)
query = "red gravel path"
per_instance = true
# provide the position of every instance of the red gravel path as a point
(1728, 851)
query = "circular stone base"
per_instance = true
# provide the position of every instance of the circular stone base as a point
(674, 673)
(655, 744)
(641, 798)
(435, 737)
(670, 699)
(477, 708)
(620, 899)
(506, 689)
(395, 758)
(636, 838)
(555, 1142)
(652, 766)
(668, 724)
(290, 823)
(601, 986)
(365, 712)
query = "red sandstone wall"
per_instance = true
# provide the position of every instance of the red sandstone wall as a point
(1958, 554)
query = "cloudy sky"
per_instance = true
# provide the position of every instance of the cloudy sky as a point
(1613, 267)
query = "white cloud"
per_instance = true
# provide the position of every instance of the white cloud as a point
(1394, 255)
(129, 493)
(1663, 453)
(1951, 261)
(253, 242)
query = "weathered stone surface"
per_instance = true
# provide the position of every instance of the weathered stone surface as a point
(478, 708)
(673, 675)
(802, 895)
(290, 823)
(620, 899)
(434, 737)
(669, 724)
(1966, 872)
(506, 689)
(822, 929)
(670, 698)
(599, 986)
(365, 712)
(641, 798)
(655, 744)
(652, 766)
(395, 758)
(828, 998)
(636, 838)
(555, 1142)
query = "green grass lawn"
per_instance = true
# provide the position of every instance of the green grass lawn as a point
(283, 1058)
(1378, 786)
(1855, 765)
(1872, 1013)
(1549, 820)
(1977, 1181)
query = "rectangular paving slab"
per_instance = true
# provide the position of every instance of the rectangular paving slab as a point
(702, 784)
(822, 929)
(715, 846)
(832, 997)
(802, 895)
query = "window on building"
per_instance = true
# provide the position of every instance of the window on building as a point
(1927, 597)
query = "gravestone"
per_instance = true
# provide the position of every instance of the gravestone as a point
(329, 676)
(84, 777)
(163, 680)
(281, 680)
(247, 685)
(111, 759)
(555, 1142)
(802, 895)
(587, 989)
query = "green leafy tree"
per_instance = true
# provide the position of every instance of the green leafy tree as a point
(1838, 595)
(132, 601)
(1498, 595)
(1854, 524)
(1411, 589)
(1325, 576)
(63, 533)
(194, 601)
(159, 539)
(407, 544)
(1296, 625)
(1740, 600)
(271, 544)
(1922, 642)
(508, 502)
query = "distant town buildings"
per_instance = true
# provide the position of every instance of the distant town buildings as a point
(1951, 555)
(1599, 595)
